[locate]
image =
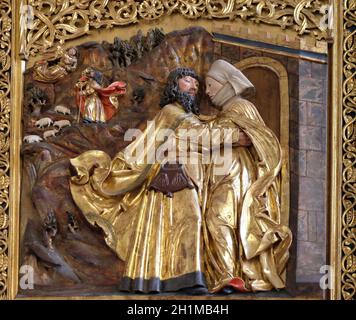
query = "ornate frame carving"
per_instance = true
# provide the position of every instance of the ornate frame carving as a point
(5, 106)
(348, 279)
(52, 26)
(56, 22)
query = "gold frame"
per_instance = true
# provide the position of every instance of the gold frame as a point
(50, 26)
(302, 17)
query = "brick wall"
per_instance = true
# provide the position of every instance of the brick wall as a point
(308, 109)
(310, 154)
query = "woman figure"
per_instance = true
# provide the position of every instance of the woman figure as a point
(246, 247)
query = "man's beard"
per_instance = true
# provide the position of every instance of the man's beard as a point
(188, 102)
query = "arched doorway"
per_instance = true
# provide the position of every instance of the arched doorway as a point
(270, 79)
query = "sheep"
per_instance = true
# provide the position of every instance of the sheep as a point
(62, 109)
(44, 122)
(50, 133)
(31, 138)
(61, 124)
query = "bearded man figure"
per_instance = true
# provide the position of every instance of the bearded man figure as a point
(156, 233)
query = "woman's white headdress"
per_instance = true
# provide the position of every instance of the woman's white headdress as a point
(224, 72)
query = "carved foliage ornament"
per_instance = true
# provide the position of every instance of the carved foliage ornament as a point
(49, 22)
(5, 64)
(348, 280)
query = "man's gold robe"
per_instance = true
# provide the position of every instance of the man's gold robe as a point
(159, 238)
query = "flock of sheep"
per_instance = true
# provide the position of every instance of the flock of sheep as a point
(47, 122)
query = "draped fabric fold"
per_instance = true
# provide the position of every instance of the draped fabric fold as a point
(244, 238)
(227, 228)
(159, 238)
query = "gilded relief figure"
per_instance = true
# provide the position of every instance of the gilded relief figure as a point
(159, 240)
(95, 103)
(55, 68)
(158, 234)
(246, 247)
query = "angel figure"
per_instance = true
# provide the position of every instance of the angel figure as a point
(54, 68)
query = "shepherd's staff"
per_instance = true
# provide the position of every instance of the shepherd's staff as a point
(81, 97)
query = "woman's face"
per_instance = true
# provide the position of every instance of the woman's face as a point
(212, 87)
